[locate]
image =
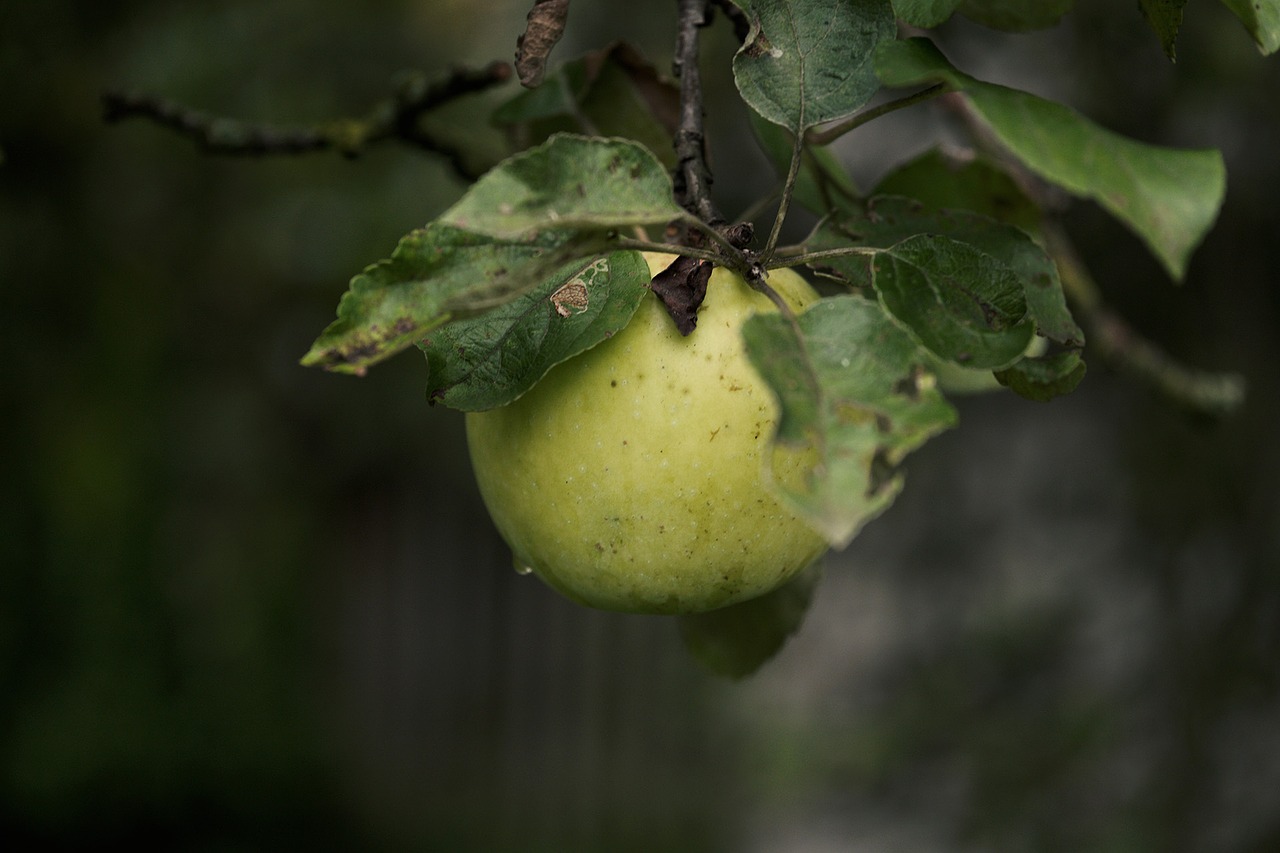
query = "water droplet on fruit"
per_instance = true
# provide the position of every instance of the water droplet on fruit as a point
(522, 567)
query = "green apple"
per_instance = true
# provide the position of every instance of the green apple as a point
(631, 477)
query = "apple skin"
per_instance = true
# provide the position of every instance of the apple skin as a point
(630, 477)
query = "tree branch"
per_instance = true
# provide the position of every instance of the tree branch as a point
(1119, 344)
(693, 177)
(396, 117)
(1129, 351)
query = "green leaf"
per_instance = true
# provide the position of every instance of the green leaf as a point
(1165, 18)
(854, 398)
(963, 304)
(972, 316)
(735, 641)
(942, 181)
(1016, 15)
(821, 179)
(609, 92)
(489, 360)
(1042, 379)
(1169, 197)
(435, 275)
(959, 200)
(568, 183)
(805, 62)
(925, 13)
(1261, 18)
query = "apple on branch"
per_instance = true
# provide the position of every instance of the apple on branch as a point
(631, 477)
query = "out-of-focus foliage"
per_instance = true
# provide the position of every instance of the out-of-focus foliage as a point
(251, 605)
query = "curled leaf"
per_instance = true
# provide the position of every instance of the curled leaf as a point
(543, 28)
(681, 287)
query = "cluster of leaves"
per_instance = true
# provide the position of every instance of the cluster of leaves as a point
(942, 267)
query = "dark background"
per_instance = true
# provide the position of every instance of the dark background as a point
(250, 606)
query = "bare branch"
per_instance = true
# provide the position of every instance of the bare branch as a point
(397, 117)
(693, 177)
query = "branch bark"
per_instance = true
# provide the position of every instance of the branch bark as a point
(693, 176)
(396, 117)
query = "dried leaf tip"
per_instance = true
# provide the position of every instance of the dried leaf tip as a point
(543, 28)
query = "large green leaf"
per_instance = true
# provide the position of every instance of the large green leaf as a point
(1261, 18)
(436, 274)
(1169, 197)
(925, 13)
(805, 62)
(1016, 15)
(944, 181)
(964, 305)
(854, 397)
(735, 641)
(489, 360)
(972, 290)
(568, 183)
(959, 200)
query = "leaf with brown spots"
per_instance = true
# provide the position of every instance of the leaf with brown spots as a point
(491, 359)
(853, 399)
(436, 274)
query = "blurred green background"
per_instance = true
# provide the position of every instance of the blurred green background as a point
(249, 606)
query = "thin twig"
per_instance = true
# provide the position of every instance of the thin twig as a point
(1128, 350)
(793, 258)
(693, 176)
(397, 117)
(835, 131)
(1118, 343)
(670, 249)
(784, 203)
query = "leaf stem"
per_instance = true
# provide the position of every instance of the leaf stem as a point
(795, 256)
(835, 131)
(797, 152)
(671, 249)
